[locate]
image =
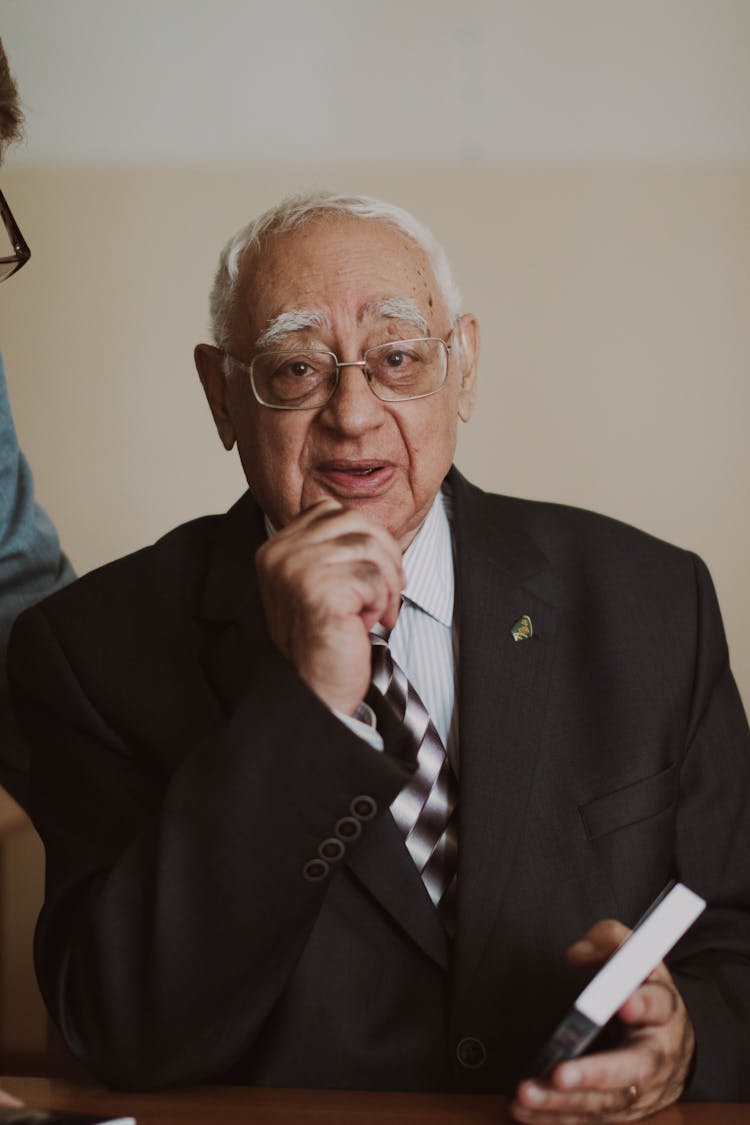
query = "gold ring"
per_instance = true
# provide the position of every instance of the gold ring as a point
(632, 1092)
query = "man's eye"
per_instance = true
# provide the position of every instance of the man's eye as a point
(400, 358)
(299, 368)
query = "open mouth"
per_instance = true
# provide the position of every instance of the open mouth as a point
(355, 478)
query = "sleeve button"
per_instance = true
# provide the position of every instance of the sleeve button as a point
(331, 849)
(315, 870)
(363, 807)
(348, 828)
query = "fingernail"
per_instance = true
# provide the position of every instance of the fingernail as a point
(535, 1094)
(584, 946)
(637, 1006)
(570, 1076)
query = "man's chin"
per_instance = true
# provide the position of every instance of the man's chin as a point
(379, 508)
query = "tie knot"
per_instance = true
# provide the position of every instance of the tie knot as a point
(382, 661)
(379, 634)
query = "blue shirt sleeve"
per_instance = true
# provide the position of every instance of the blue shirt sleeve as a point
(31, 565)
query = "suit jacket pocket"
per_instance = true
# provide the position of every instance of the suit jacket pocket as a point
(639, 801)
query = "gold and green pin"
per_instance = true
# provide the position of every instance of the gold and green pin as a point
(523, 630)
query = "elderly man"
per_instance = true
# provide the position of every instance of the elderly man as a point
(329, 784)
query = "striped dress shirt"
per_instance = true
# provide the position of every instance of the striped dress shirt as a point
(423, 641)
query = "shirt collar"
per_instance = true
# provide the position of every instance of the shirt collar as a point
(428, 564)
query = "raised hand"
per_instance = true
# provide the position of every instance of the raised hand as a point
(325, 580)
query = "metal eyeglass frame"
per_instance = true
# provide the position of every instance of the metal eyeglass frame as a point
(361, 363)
(17, 241)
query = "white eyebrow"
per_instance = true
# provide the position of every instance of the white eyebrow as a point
(294, 320)
(396, 308)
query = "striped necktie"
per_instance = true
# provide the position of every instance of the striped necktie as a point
(425, 809)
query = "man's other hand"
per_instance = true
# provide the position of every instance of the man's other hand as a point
(645, 1074)
(326, 579)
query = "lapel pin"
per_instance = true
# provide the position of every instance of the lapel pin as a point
(523, 629)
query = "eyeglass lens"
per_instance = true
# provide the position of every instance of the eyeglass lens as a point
(8, 266)
(15, 253)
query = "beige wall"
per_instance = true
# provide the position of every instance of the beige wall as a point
(615, 307)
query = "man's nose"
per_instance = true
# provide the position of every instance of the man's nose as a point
(353, 408)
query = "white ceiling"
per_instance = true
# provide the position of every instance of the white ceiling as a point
(377, 81)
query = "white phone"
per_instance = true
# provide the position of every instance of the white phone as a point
(668, 917)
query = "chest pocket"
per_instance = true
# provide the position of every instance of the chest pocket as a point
(631, 804)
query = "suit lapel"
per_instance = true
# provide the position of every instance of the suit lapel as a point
(502, 702)
(230, 608)
(383, 865)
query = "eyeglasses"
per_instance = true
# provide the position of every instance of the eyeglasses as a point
(11, 263)
(307, 379)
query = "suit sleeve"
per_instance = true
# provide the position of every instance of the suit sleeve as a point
(177, 906)
(712, 964)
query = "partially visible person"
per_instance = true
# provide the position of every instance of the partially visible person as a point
(31, 561)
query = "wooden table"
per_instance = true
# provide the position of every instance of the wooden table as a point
(217, 1105)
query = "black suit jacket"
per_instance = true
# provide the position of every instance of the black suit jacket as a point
(183, 777)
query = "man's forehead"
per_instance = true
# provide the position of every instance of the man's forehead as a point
(336, 236)
(335, 267)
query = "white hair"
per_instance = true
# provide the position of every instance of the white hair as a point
(287, 323)
(399, 308)
(296, 210)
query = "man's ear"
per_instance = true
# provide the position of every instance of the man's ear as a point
(467, 331)
(210, 364)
